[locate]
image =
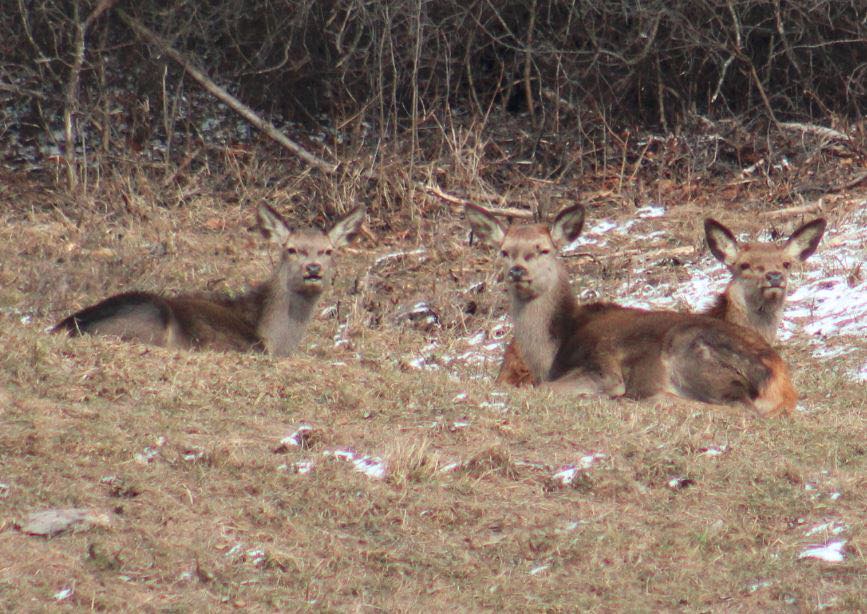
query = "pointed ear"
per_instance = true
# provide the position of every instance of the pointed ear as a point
(272, 225)
(345, 229)
(567, 225)
(804, 241)
(485, 226)
(721, 241)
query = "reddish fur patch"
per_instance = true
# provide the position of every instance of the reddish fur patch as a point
(778, 396)
(513, 371)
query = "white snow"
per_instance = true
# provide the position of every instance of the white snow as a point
(64, 593)
(298, 437)
(371, 466)
(830, 552)
(567, 474)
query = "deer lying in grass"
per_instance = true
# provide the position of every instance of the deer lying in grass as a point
(754, 298)
(271, 317)
(606, 349)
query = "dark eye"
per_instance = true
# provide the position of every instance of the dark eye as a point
(545, 252)
(745, 266)
(786, 265)
(328, 252)
(504, 254)
(291, 250)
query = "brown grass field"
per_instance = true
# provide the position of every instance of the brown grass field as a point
(683, 507)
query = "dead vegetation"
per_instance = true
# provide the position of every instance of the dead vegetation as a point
(419, 485)
(510, 501)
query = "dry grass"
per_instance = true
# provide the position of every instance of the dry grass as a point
(219, 515)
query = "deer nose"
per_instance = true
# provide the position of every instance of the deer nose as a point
(775, 278)
(517, 272)
(314, 268)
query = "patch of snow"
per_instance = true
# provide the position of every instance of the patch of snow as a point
(62, 594)
(302, 467)
(299, 437)
(566, 474)
(830, 552)
(830, 307)
(371, 466)
(680, 482)
(539, 569)
(4, 490)
(454, 466)
(421, 363)
(591, 236)
(193, 455)
(713, 450)
(340, 337)
(150, 452)
(256, 556)
(461, 396)
(650, 211)
(758, 585)
(860, 375)
(476, 339)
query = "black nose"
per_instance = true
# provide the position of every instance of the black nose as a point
(313, 269)
(774, 278)
(517, 272)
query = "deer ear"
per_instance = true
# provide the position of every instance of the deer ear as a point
(804, 241)
(485, 226)
(721, 241)
(567, 225)
(345, 229)
(272, 225)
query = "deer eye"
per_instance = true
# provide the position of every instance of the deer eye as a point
(327, 252)
(504, 254)
(545, 252)
(291, 251)
(786, 265)
(745, 266)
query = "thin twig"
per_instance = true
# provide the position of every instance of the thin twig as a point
(243, 110)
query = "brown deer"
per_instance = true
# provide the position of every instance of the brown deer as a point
(271, 317)
(755, 297)
(606, 349)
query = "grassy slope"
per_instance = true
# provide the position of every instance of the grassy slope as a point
(497, 533)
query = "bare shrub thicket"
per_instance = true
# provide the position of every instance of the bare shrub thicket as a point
(386, 75)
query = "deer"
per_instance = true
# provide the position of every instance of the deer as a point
(605, 349)
(754, 297)
(270, 318)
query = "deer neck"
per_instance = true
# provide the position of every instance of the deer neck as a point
(754, 311)
(284, 316)
(538, 325)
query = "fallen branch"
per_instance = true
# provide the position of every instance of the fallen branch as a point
(810, 208)
(822, 131)
(239, 107)
(461, 202)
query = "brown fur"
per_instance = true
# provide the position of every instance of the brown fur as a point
(271, 317)
(606, 349)
(748, 300)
